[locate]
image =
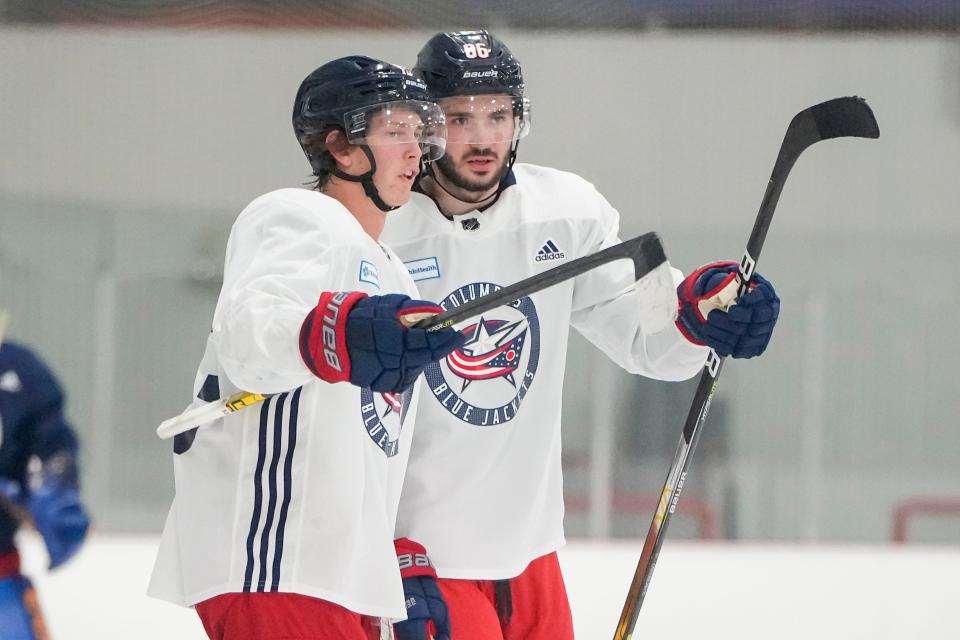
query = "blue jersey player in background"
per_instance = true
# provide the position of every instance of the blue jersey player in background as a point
(38, 482)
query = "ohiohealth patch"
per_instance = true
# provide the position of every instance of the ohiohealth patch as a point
(423, 268)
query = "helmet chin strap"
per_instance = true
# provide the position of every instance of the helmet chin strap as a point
(495, 196)
(366, 180)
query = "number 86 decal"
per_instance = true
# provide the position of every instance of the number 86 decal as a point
(476, 51)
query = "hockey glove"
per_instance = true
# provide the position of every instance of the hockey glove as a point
(711, 315)
(427, 615)
(56, 511)
(60, 519)
(367, 341)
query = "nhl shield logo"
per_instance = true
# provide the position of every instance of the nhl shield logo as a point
(484, 383)
(383, 415)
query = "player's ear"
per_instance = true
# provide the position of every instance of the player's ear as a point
(342, 151)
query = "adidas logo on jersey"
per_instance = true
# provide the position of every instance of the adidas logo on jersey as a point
(549, 251)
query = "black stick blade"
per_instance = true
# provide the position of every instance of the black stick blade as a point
(845, 118)
(646, 252)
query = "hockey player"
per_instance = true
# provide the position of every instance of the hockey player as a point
(483, 490)
(283, 520)
(32, 427)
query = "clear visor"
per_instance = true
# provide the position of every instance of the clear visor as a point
(486, 118)
(401, 122)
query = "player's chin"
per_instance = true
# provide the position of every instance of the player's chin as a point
(399, 196)
(479, 186)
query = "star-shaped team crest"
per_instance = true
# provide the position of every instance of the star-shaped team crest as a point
(492, 350)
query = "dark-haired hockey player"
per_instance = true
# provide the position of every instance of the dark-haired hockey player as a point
(484, 490)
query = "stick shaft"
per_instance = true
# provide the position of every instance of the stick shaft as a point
(841, 117)
(645, 251)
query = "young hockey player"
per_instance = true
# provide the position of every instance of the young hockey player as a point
(283, 522)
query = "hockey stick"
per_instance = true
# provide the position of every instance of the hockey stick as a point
(838, 118)
(644, 251)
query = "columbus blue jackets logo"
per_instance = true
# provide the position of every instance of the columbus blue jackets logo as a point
(383, 415)
(484, 383)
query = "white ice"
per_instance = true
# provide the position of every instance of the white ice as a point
(699, 591)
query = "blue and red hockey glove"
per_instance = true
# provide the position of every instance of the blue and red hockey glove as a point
(711, 315)
(427, 615)
(367, 340)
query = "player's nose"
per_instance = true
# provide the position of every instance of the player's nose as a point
(413, 150)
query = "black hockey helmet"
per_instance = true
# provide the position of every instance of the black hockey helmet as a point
(457, 63)
(346, 93)
(474, 63)
(341, 93)
(477, 65)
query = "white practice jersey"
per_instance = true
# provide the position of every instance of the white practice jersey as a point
(299, 493)
(484, 492)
